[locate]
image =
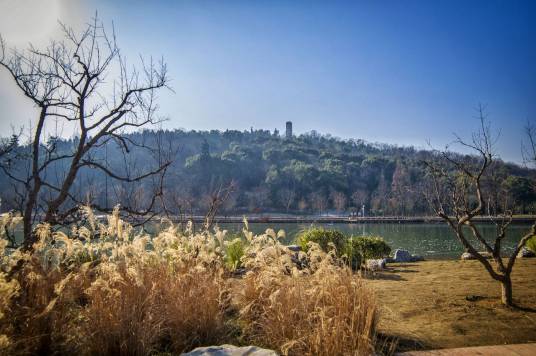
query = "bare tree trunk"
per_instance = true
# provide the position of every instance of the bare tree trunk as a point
(29, 238)
(506, 288)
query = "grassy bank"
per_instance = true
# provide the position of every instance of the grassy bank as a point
(443, 304)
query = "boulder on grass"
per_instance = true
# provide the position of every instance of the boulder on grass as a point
(468, 256)
(230, 350)
(376, 265)
(526, 253)
(401, 255)
(416, 258)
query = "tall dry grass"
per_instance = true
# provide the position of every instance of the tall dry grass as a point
(327, 312)
(103, 288)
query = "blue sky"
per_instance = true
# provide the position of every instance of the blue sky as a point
(400, 72)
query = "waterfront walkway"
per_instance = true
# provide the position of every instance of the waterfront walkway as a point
(495, 350)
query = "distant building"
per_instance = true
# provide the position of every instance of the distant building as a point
(288, 133)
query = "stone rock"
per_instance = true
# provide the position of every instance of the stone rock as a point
(239, 272)
(416, 258)
(294, 248)
(526, 253)
(230, 350)
(402, 256)
(468, 256)
(376, 265)
(299, 259)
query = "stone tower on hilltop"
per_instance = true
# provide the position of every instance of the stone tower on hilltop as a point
(288, 132)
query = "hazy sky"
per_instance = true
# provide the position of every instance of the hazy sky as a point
(400, 72)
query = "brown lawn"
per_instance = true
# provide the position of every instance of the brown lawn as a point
(444, 304)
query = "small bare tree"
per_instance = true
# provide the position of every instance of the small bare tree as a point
(216, 199)
(528, 147)
(359, 198)
(339, 201)
(286, 197)
(72, 82)
(457, 196)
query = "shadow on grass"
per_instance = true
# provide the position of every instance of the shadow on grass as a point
(389, 344)
(524, 309)
(403, 265)
(402, 270)
(384, 275)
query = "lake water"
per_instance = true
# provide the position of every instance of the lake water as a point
(432, 240)
(428, 240)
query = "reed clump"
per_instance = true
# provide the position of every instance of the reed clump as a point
(104, 288)
(326, 311)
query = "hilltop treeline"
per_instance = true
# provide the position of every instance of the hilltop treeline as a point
(309, 173)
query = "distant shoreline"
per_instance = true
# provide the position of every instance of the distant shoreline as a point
(341, 219)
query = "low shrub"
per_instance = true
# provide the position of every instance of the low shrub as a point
(323, 237)
(352, 255)
(355, 250)
(531, 244)
(368, 247)
(234, 251)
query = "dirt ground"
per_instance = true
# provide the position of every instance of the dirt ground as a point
(444, 304)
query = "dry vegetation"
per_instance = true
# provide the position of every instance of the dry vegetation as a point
(104, 288)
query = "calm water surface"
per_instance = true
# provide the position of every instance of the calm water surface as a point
(429, 240)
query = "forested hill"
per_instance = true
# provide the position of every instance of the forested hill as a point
(309, 173)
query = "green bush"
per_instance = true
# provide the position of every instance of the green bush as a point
(352, 255)
(323, 237)
(354, 249)
(531, 244)
(367, 247)
(233, 253)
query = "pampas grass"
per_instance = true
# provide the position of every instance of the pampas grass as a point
(328, 312)
(104, 288)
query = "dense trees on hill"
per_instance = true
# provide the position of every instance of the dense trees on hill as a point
(310, 173)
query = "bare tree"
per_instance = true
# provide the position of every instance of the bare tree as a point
(359, 198)
(339, 201)
(318, 202)
(457, 196)
(216, 199)
(528, 147)
(72, 81)
(179, 203)
(287, 196)
(258, 198)
(302, 205)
